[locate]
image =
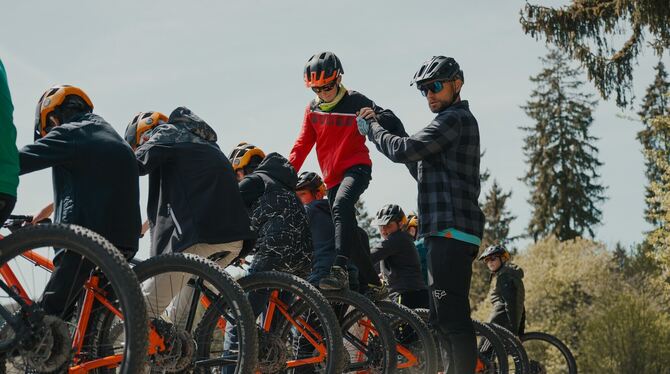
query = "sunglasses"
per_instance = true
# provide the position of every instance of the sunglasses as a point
(326, 87)
(433, 87)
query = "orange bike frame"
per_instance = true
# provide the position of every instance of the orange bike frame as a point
(92, 293)
(276, 304)
(411, 359)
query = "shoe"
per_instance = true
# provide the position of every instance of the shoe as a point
(377, 292)
(337, 279)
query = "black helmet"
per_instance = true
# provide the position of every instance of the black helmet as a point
(321, 69)
(438, 67)
(308, 180)
(390, 213)
(497, 249)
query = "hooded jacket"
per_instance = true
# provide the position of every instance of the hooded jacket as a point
(401, 262)
(507, 295)
(95, 180)
(277, 215)
(193, 194)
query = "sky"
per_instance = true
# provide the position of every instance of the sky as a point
(238, 65)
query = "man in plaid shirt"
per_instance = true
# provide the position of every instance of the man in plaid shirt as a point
(444, 159)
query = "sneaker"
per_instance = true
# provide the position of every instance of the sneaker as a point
(337, 279)
(377, 292)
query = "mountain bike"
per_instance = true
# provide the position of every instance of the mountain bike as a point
(178, 289)
(547, 354)
(518, 358)
(46, 327)
(298, 330)
(491, 354)
(417, 350)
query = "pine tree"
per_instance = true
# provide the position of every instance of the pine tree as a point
(365, 222)
(561, 154)
(498, 217)
(659, 238)
(587, 30)
(655, 140)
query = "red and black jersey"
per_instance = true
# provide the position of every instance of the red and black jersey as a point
(339, 145)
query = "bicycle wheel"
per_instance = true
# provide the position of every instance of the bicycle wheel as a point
(178, 290)
(417, 351)
(491, 355)
(368, 338)
(547, 354)
(515, 351)
(298, 330)
(47, 325)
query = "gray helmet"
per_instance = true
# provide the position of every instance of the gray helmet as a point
(438, 67)
(390, 213)
(493, 250)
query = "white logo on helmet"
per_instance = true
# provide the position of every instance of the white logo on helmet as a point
(46, 102)
(149, 121)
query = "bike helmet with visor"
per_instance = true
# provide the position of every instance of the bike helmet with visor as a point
(52, 100)
(390, 213)
(141, 124)
(321, 69)
(244, 154)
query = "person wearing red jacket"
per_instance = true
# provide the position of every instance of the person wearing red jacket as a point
(330, 124)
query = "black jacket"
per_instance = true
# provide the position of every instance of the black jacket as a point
(401, 262)
(193, 194)
(277, 215)
(95, 178)
(507, 295)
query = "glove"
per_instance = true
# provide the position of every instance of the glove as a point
(363, 126)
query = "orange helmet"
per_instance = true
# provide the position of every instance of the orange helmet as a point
(51, 100)
(321, 69)
(243, 154)
(140, 124)
(412, 220)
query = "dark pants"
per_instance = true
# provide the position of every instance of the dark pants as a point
(67, 281)
(342, 199)
(413, 299)
(449, 275)
(7, 203)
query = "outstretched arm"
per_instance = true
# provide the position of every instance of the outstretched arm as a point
(432, 139)
(303, 145)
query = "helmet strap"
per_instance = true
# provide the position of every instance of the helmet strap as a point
(456, 95)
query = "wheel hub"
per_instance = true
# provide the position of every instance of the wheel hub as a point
(51, 349)
(272, 353)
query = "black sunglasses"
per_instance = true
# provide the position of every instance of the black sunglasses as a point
(326, 87)
(433, 87)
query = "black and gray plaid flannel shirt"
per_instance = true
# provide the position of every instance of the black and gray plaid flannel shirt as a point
(444, 159)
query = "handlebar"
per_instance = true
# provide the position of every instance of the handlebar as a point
(17, 221)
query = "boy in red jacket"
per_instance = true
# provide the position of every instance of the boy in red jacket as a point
(330, 123)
